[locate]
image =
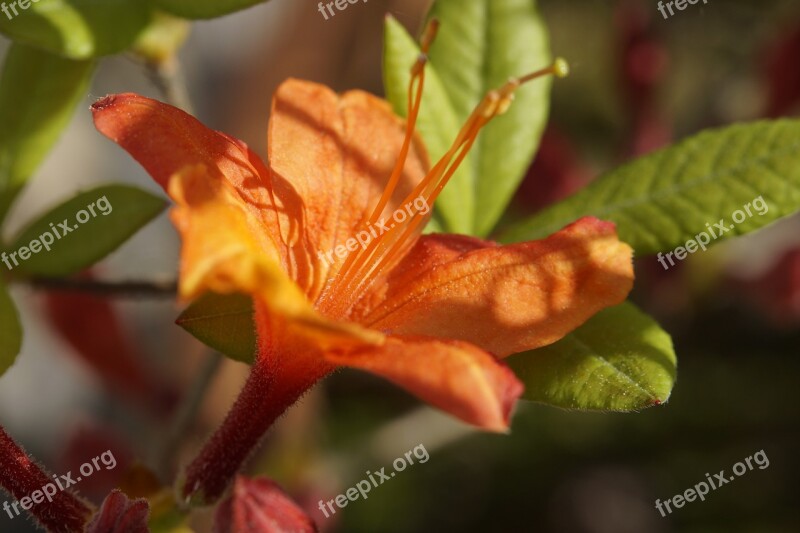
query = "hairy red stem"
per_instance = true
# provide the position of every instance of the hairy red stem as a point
(21, 477)
(275, 383)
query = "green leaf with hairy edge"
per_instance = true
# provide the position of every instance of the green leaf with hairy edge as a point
(78, 29)
(662, 200)
(620, 360)
(38, 95)
(119, 212)
(438, 124)
(204, 9)
(481, 44)
(10, 331)
(224, 323)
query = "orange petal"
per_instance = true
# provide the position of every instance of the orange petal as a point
(429, 252)
(225, 251)
(505, 299)
(338, 153)
(452, 375)
(230, 210)
(165, 140)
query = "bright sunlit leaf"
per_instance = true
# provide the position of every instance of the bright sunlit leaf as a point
(438, 123)
(662, 200)
(10, 331)
(38, 94)
(620, 360)
(83, 230)
(481, 44)
(78, 29)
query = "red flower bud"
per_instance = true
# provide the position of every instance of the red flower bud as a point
(120, 515)
(260, 506)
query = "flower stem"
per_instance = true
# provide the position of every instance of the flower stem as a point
(21, 477)
(274, 384)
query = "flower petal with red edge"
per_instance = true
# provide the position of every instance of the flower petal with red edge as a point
(454, 376)
(505, 299)
(166, 140)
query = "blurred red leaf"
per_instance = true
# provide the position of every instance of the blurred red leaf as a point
(781, 73)
(90, 325)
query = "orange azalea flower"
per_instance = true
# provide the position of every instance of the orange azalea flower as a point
(430, 313)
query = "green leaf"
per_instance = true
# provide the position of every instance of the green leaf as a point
(78, 29)
(662, 200)
(204, 9)
(99, 221)
(224, 323)
(438, 123)
(620, 360)
(481, 44)
(38, 95)
(10, 331)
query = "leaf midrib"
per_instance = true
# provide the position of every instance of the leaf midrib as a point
(657, 195)
(593, 353)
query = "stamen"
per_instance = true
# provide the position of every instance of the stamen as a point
(370, 263)
(559, 69)
(414, 103)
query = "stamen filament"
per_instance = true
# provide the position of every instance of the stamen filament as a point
(381, 252)
(414, 104)
(390, 244)
(386, 259)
